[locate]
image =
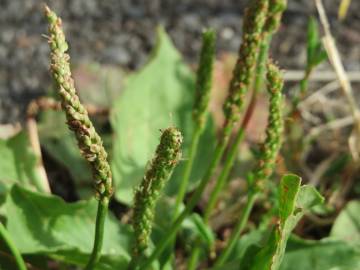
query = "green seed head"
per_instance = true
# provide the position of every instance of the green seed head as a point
(204, 77)
(89, 142)
(166, 157)
(276, 8)
(272, 144)
(254, 21)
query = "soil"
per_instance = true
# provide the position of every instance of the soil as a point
(122, 33)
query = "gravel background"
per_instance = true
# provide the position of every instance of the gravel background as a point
(122, 33)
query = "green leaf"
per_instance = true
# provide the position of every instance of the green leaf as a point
(325, 254)
(194, 229)
(18, 163)
(347, 225)
(294, 201)
(248, 242)
(319, 57)
(320, 255)
(60, 143)
(98, 85)
(45, 224)
(106, 262)
(312, 38)
(158, 96)
(338, 165)
(315, 52)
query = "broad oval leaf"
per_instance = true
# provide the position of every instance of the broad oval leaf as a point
(45, 224)
(158, 96)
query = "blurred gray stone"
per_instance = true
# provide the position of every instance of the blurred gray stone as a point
(123, 33)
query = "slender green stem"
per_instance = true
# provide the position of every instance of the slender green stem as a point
(7, 239)
(187, 171)
(261, 67)
(239, 227)
(99, 234)
(230, 159)
(304, 84)
(229, 162)
(267, 158)
(224, 174)
(166, 240)
(213, 197)
(195, 254)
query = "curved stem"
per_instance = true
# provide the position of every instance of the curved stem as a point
(99, 234)
(7, 239)
(193, 200)
(237, 230)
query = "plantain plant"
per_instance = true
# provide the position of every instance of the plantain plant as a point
(139, 242)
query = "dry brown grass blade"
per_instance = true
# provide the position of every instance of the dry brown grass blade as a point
(335, 60)
(33, 134)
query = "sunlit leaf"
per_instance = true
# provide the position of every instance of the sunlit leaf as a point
(45, 224)
(158, 96)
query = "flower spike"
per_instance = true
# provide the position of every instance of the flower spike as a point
(167, 155)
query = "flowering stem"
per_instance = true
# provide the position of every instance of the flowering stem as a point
(254, 22)
(200, 111)
(229, 162)
(162, 244)
(148, 192)
(99, 234)
(7, 239)
(202, 96)
(230, 158)
(89, 141)
(266, 161)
